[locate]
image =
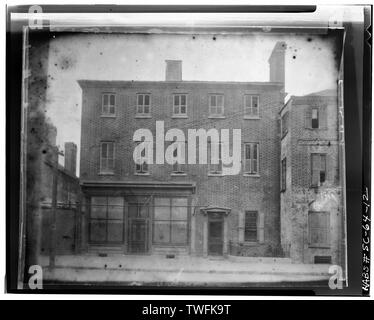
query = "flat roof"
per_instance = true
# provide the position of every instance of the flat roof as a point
(109, 83)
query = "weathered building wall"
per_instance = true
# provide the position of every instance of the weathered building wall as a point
(68, 188)
(304, 197)
(286, 195)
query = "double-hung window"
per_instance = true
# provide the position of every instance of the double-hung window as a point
(251, 105)
(318, 169)
(251, 158)
(108, 104)
(315, 118)
(107, 157)
(180, 105)
(216, 105)
(215, 168)
(143, 104)
(142, 168)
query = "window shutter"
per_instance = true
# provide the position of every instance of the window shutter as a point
(323, 117)
(260, 227)
(189, 104)
(308, 117)
(132, 102)
(315, 169)
(251, 157)
(255, 158)
(170, 104)
(241, 228)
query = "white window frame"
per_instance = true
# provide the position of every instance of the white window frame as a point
(138, 106)
(108, 106)
(216, 114)
(106, 170)
(250, 172)
(179, 113)
(251, 115)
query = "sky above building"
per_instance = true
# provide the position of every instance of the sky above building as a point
(310, 65)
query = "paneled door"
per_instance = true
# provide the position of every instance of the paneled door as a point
(215, 235)
(138, 236)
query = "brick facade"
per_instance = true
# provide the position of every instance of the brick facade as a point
(227, 196)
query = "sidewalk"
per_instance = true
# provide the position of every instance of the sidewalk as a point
(139, 270)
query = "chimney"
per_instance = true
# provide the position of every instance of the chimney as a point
(277, 62)
(70, 157)
(173, 70)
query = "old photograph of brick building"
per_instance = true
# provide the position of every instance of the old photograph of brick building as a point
(136, 219)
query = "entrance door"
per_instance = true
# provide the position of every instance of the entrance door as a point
(138, 222)
(215, 235)
(138, 240)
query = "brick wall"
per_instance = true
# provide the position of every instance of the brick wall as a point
(300, 197)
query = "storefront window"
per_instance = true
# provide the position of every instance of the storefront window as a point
(106, 220)
(170, 221)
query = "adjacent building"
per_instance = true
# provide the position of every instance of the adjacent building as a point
(67, 196)
(312, 209)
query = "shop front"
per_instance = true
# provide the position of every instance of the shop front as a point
(137, 218)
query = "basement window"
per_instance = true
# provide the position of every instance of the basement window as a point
(322, 259)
